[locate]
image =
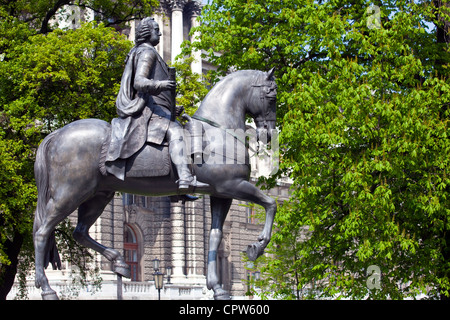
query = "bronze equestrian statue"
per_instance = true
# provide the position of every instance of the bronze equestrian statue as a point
(144, 104)
(83, 164)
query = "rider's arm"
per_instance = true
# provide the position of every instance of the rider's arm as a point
(145, 64)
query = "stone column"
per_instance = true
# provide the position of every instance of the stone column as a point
(132, 24)
(196, 9)
(159, 18)
(195, 250)
(177, 26)
(178, 241)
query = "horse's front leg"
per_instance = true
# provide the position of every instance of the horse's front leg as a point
(246, 191)
(256, 249)
(219, 210)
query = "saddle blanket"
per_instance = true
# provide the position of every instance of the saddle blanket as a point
(150, 161)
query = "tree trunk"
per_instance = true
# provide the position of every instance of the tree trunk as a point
(443, 26)
(8, 272)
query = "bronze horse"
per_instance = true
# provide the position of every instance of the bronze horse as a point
(68, 175)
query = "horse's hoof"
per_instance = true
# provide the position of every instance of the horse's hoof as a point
(254, 251)
(49, 295)
(222, 295)
(122, 268)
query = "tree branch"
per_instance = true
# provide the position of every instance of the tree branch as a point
(44, 26)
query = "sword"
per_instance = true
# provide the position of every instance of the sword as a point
(172, 77)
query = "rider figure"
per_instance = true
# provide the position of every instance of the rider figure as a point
(144, 103)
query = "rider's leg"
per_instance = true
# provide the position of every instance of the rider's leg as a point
(180, 158)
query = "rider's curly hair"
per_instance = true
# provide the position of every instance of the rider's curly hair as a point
(144, 30)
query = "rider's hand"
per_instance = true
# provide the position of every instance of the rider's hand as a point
(179, 110)
(167, 85)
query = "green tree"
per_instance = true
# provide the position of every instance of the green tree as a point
(44, 15)
(46, 81)
(363, 110)
(191, 87)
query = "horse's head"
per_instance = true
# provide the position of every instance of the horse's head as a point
(262, 105)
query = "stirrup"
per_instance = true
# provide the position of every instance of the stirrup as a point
(184, 184)
(183, 198)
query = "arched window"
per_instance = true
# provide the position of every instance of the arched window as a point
(131, 249)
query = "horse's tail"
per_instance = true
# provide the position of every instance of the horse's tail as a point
(42, 182)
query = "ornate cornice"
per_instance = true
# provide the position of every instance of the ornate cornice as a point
(174, 5)
(194, 8)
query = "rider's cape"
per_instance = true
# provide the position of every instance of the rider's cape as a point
(141, 117)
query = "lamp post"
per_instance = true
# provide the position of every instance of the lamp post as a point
(159, 279)
(257, 277)
(168, 273)
(158, 276)
(156, 264)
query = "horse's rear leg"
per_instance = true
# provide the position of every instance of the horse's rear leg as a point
(44, 226)
(88, 212)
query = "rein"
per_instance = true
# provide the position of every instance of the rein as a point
(216, 125)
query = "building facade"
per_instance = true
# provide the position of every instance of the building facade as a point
(174, 232)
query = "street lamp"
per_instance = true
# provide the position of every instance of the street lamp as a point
(158, 276)
(156, 264)
(168, 273)
(159, 279)
(256, 277)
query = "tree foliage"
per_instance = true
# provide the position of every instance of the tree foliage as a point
(363, 110)
(46, 81)
(191, 87)
(45, 15)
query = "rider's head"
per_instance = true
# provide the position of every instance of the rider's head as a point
(147, 31)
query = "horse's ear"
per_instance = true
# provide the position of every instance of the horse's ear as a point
(270, 73)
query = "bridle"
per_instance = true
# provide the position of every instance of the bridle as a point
(267, 94)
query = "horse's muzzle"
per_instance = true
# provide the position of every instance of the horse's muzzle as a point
(264, 131)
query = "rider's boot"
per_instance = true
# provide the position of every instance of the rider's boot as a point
(186, 179)
(177, 150)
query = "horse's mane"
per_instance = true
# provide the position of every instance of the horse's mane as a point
(235, 81)
(256, 74)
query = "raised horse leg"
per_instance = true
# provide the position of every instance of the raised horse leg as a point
(244, 190)
(219, 211)
(88, 212)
